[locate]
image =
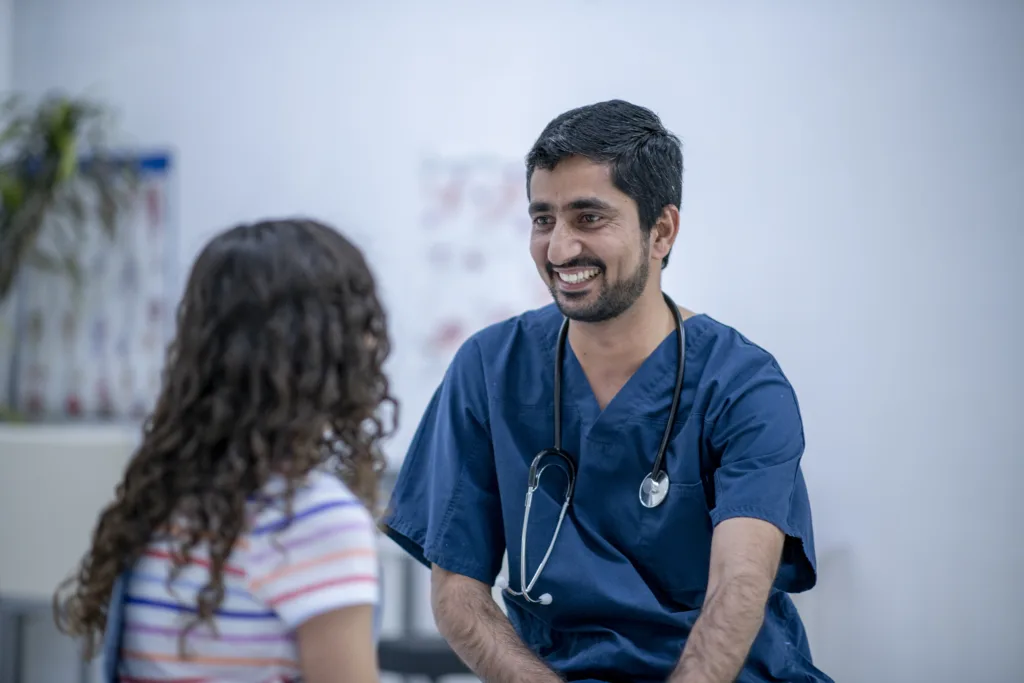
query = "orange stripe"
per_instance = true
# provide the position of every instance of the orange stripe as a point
(291, 569)
(213, 661)
(164, 555)
(362, 578)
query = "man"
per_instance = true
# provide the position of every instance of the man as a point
(683, 579)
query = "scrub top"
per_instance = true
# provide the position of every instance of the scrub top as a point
(627, 582)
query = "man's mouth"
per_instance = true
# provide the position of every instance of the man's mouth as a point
(576, 277)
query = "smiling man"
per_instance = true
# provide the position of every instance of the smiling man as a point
(640, 463)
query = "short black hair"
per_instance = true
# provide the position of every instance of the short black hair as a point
(646, 159)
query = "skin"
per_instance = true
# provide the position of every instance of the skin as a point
(581, 221)
(480, 633)
(745, 556)
(579, 216)
(338, 647)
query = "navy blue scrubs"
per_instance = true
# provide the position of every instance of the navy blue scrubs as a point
(627, 582)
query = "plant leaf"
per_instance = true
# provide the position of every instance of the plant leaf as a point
(49, 199)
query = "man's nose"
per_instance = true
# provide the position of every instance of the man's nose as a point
(564, 246)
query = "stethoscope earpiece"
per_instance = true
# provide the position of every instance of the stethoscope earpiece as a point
(653, 489)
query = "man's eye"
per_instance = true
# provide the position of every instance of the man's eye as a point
(589, 218)
(542, 220)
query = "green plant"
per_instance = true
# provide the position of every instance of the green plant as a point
(56, 179)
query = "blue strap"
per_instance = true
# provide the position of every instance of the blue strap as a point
(115, 630)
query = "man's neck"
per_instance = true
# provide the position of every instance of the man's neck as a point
(627, 340)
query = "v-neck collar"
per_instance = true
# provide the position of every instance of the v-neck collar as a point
(601, 425)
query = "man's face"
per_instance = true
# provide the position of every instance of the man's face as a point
(586, 240)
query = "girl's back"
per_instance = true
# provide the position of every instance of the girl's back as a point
(243, 523)
(278, 577)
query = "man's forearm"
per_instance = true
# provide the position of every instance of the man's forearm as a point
(482, 636)
(720, 640)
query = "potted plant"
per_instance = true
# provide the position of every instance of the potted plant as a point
(58, 181)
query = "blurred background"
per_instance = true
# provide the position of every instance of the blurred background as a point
(853, 202)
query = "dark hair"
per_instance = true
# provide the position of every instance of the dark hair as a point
(275, 370)
(646, 159)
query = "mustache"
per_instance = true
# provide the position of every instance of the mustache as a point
(577, 263)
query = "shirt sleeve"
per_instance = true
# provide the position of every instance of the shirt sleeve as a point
(445, 509)
(324, 558)
(757, 434)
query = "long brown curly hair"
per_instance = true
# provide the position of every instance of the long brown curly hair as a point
(276, 369)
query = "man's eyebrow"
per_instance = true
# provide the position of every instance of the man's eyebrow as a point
(589, 203)
(582, 204)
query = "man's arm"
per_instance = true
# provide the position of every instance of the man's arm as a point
(745, 556)
(480, 633)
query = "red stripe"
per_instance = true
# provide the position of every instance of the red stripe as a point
(359, 578)
(164, 555)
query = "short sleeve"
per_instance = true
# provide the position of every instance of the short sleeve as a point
(445, 509)
(324, 558)
(757, 436)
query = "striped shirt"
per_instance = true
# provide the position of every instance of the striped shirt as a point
(279, 575)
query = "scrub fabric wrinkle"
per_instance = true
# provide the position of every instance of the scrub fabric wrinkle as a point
(627, 582)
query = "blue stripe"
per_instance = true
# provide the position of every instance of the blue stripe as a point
(175, 607)
(193, 585)
(315, 510)
(156, 162)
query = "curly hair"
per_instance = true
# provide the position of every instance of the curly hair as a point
(276, 369)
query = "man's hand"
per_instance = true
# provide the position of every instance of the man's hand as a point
(480, 634)
(745, 556)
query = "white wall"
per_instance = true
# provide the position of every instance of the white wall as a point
(6, 44)
(60, 478)
(852, 202)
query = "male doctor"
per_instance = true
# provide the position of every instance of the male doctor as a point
(639, 462)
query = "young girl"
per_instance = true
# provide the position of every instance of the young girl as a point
(244, 517)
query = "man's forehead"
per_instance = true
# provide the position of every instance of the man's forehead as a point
(574, 184)
(575, 169)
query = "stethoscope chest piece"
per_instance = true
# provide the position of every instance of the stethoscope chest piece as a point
(654, 489)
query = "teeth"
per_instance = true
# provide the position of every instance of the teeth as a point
(581, 276)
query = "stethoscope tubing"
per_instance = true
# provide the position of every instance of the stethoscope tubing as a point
(536, 469)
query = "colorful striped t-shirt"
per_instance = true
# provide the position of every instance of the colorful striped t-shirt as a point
(280, 575)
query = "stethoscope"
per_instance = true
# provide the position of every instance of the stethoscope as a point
(653, 488)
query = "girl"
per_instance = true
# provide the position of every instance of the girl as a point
(244, 517)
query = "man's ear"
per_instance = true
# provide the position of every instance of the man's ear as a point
(664, 232)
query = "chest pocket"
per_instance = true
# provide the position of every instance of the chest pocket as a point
(675, 544)
(674, 547)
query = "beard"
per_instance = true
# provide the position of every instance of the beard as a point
(612, 300)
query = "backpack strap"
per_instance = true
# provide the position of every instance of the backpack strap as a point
(114, 633)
